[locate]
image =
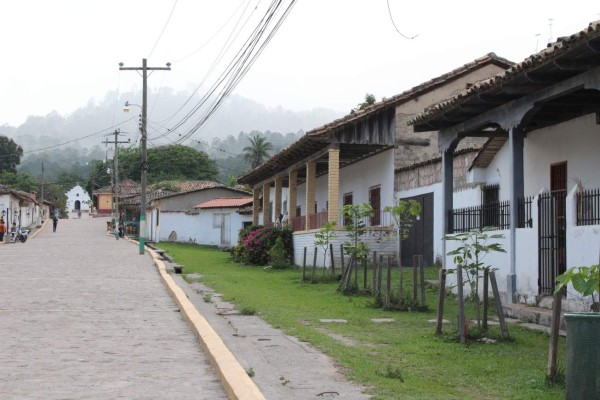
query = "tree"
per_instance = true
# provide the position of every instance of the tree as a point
(258, 151)
(23, 181)
(403, 215)
(10, 154)
(369, 100)
(174, 162)
(355, 214)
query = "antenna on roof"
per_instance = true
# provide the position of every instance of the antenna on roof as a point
(537, 41)
(550, 21)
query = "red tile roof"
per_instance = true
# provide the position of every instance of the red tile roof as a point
(231, 202)
(552, 52)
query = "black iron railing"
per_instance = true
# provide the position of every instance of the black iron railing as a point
(588, 207)
(495, 214)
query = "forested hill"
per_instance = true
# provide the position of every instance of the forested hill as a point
(87, 125)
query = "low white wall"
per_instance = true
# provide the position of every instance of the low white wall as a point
(376, 240)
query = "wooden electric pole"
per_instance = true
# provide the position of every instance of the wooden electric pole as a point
(144, 68)
(116, 172)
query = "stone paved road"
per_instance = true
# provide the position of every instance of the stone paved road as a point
(83, 316)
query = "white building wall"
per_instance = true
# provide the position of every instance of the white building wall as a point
(357, 178)
(77, 193)
(198, 228)
(576, 141)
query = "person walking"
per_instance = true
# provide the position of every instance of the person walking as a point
(2, 229)
(54, 222)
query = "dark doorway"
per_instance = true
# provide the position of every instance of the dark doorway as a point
(375, 202)
(420, 237)
(552, 230)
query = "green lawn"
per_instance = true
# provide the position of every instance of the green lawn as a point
(403, 359)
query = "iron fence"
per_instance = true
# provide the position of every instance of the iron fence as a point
(524, 212)
(588, 207)
(495, 214)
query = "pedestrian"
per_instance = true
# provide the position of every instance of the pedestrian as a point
(13, 232)
(54, 222)
(2, 229)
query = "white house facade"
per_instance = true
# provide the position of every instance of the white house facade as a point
(78, 199)
(536, 179)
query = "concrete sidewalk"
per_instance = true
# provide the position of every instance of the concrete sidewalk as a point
(82, 315)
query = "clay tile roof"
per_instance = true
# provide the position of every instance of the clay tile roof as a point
(186, 186)
(552, 52)
(231, 202)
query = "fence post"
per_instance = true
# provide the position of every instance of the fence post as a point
(332, 259)
(365, 264)
(422, 281)
(304, 266)
(486, 274)
(415, 277)
(441, 297)
(342, 259)
(554, 333)
(314, 268)
(374, 275)
(380, 273)
(388, 287)
(499, 310)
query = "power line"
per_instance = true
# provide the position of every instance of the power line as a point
(238, 67)
(163, 29)
(395, 27)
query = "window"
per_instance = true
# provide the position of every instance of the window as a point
(298, 211)
(375, 202)
(348, 199)
(490, 205)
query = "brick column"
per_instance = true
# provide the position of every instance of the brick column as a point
(255, 205)
(311, 177)
(277, 202)
(266, 200)
(333, 183)
(292, 194)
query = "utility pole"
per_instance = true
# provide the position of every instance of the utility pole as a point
(144, 68)
(42, 190)
(116, 171)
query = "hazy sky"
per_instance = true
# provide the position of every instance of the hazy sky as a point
(61, 54)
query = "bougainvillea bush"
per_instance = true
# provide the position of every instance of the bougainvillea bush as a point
(255, 243)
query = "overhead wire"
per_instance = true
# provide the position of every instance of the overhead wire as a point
(228, 43)
(163, 29)
(214, 35)
(395, 27)
(244, 62)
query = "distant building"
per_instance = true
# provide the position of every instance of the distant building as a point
(78, 200)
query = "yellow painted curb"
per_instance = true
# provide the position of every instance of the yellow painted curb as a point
(39, 230)
(234, 378)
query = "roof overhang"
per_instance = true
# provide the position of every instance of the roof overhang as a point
(555, 85)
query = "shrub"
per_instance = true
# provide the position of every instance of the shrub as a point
(277, 253)
(255, 243)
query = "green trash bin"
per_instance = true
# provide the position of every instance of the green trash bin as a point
(583, 356)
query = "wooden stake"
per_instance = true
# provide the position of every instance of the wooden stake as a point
(304, 266)
(422, 281)
(486, 301)
(554, 333)
(332, 259)
(499, 310)
(314, 268)
(374, 274)
(342, 258)
(441, 297)
(461, 304)
(388, 287)
(415, 277)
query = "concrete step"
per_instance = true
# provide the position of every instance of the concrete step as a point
(531, 314)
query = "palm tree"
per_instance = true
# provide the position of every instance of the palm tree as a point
(258, 150)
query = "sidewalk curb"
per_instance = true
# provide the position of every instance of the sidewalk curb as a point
(234, 378)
